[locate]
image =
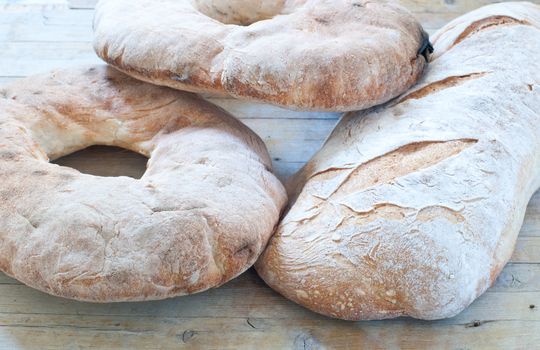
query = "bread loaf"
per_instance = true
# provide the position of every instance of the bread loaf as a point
(200, 215)
(413, 208)
(331, 55)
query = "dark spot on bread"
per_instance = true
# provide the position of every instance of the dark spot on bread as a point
(8, 155)
(322, 20)
(184, 78)
(105, 52)
(175, 125)
(5, 195)
(65, 109)
(426, 48)
(245, 251)
(203, 161)
(67, 176)
(224, 181)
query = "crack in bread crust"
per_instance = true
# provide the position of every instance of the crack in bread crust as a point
(407, 159)
(488, 23)
(440, 85)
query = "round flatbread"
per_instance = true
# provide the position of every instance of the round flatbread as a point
(199, 216)
(323, 55)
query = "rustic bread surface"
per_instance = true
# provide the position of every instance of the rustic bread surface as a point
(325, 55)
(413, 209)
(199, 216)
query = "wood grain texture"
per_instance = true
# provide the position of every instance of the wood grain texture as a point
(245, 312)
(433, 14)
(38, 35)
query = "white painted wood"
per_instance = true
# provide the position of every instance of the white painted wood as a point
(45, 24)
(82, 4)
(27, 58)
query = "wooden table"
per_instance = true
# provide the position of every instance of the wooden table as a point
(37, 35)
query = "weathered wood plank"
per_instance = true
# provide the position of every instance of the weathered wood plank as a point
(246, 110)
(28, 4)
(302, 142)
(32, 332)
(27, 58)
(82, 4)
(260, 317)
(47, 24)
(518, 278)
(245, 312)
(527, 250)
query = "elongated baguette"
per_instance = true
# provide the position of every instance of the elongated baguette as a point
(414, 208)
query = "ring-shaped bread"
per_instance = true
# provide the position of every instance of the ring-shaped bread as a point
(199, 216)
(326, 55)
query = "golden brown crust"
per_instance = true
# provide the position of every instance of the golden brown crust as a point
(324, 55)
(200, 215)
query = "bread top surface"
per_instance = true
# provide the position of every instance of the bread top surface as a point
(413, 208)
(200, 215)
(323, 55)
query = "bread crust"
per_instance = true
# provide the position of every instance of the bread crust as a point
(414, 208)
(199, 216)
(323, 55)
